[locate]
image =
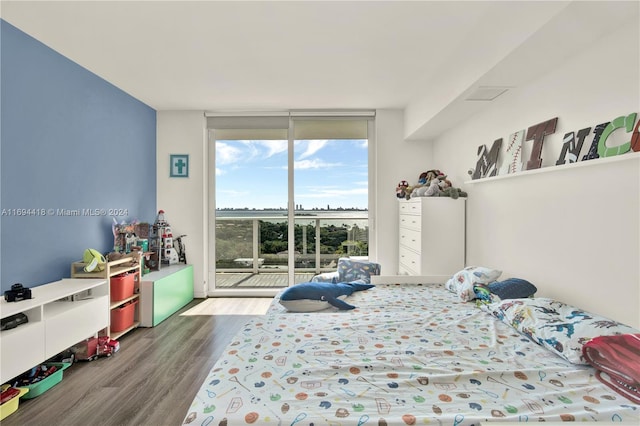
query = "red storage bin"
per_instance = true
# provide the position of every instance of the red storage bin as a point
(122, 317)
(122, 286)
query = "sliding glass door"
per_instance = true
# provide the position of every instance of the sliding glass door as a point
(285, 202)
(251, 215)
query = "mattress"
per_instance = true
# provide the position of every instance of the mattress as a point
(408, 354)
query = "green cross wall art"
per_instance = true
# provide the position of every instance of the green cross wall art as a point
(179, 165)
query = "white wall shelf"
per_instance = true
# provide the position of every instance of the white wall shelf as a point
(553, 168)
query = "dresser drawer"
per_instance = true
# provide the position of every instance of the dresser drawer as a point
(410, 238)
(412, 208)
(409, 221)
(405, 270)
(410, 260)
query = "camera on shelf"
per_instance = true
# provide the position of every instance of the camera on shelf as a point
(17, 293)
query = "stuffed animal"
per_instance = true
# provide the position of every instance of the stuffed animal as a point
(434, 188)
(449, 191)
(423, 187)
(430, 190)
(316, 296)
(401, 189)
(419, 191)
(94, 260)
(428, 176)
(134, 256)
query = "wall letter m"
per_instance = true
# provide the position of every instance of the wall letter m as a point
(486, 164)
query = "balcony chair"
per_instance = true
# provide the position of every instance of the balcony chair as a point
(349, 270)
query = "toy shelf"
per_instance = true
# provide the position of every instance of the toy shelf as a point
(112, 269)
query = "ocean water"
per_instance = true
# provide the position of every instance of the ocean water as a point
(283, 213)
(334, 217)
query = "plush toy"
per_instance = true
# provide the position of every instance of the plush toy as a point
(412, 190)
(424, 178)
(316, 296)
(134, 256)
(94, 260)
(428, 176)
(418, 191)
(401, 189)
(449, 191)
(424, 187)
(430, 190)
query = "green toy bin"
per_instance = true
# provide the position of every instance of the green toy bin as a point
(38, 388)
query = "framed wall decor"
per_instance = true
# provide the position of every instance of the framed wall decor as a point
(179, 165)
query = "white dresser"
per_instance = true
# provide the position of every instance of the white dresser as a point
(431, 236)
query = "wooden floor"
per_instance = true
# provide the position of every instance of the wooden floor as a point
(231, 306)
(151, 380)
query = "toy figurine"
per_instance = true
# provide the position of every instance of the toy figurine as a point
(401, 189)
(160, 220)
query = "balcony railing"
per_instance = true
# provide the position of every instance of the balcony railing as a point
(259, 244)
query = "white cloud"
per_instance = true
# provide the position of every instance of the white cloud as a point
(272, 147)
(312, 147)
(313, 164)
(247, 150)
(227, 153)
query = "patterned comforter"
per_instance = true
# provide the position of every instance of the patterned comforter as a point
(409, 354)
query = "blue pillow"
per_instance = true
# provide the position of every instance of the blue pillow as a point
(512, 288)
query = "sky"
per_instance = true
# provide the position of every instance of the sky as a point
(253, 174)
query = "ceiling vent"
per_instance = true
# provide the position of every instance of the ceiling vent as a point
(486, 93)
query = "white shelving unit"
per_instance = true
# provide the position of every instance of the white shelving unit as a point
(60, 315)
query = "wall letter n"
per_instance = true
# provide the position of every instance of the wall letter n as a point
(486, 165)
(537, 134)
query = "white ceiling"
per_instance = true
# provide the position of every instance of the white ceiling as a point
(420, 56)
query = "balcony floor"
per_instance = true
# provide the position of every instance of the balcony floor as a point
(263, 280)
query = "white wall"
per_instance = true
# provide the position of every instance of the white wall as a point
(184, 199)
(396, 160)
(573, 232)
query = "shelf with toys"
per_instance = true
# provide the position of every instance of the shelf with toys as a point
(123, 271)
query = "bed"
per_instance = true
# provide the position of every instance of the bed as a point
(408, 354)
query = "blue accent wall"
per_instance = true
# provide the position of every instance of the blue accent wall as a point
(70, 142)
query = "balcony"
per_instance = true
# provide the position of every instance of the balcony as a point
(251, 249)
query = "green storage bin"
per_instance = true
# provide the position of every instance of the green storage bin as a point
(38, 388)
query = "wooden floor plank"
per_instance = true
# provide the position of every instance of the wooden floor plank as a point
(230, 306)
(150, 381)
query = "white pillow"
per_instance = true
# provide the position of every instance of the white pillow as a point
(462, 282)
(561, 328)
